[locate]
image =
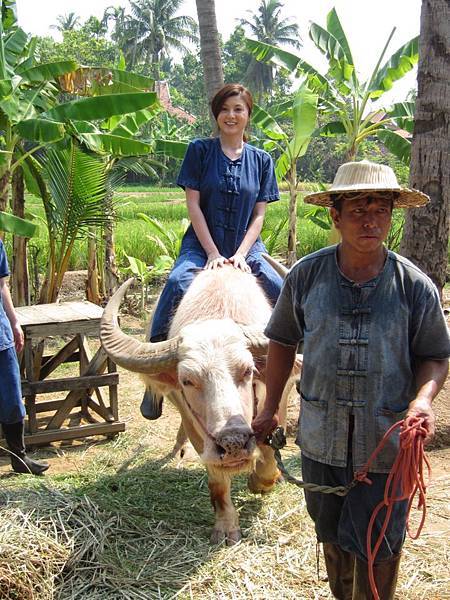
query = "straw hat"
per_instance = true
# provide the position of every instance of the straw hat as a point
(365, 176)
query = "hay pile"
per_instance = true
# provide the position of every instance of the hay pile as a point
(130, 527)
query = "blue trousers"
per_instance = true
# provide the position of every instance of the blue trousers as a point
(11, 406)
(181, 276)
(343, 520)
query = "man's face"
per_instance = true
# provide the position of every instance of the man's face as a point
(364, 222)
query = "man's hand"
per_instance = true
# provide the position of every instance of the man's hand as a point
(421, 407)
(18, 337)
(263, 424)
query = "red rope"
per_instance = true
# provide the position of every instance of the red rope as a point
(405, 480)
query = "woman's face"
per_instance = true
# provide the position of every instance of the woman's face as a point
(233, 116)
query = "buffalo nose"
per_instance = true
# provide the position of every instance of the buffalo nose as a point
(234, 437)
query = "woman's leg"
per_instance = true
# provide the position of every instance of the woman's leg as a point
(180, 278)
(270, 281)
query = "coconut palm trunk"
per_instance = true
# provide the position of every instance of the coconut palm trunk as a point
(209, 47)
(20, 288)
(426, 232)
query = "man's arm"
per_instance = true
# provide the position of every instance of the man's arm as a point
(280, 360)
(430, 377)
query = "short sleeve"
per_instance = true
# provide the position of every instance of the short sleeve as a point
(284, 325)
(4, 268)
(430, 335)
(191, 167)
(268, 191)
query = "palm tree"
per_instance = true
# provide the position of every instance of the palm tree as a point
(267, 26)
(426, 231)
(210, 47)
(117, 15)
(153, 30)
(66, 22)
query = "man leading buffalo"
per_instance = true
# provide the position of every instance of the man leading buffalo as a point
(376, 349)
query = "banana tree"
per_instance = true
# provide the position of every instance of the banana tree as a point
(288, 129)
(344, 98)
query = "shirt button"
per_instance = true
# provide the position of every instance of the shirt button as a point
(351, 373)
(352, 342)
(349, 403)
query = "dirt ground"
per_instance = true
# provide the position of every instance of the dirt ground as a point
(70, 456)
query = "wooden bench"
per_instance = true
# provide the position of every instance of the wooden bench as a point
(53, 419)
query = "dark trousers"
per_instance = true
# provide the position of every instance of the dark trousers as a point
(343, 520)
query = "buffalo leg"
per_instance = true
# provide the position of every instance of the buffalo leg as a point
(226, 527)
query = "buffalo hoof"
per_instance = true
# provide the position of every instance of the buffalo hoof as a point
(230, 538)
(259, 486)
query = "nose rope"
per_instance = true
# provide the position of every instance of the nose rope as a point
(198, 419)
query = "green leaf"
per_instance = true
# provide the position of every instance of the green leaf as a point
(16, 225)
(282, 165)
(339, 68)
(137, 266)
(47, 71)
(132, 123)
(268, 53)
(396, 143)
(170, 148)
(335, 28)
(264, 121)
(400, 63)
(106, 143)
(6, 87)
(9, 14)
(304, 119)
(102, 107)
(15, 43)
(332, 128)
(41, 130)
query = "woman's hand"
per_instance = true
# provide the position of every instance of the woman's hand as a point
(18, 337)
(215, 261)
(238, 262)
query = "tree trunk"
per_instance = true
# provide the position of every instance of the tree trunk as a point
(4, 189)
(92, 289)
(292, 235)
(426, 231)
(19, 288)
(209, 48)
(111, 270)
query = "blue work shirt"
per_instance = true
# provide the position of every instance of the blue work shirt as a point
(6, 334)
(361, 343)
(229, 190)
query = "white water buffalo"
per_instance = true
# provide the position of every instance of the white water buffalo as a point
(212, 369)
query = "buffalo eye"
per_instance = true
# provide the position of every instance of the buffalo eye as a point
(186, 382)
(248, 372)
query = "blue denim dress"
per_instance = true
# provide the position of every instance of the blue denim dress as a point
(229, 190)
(11, 405)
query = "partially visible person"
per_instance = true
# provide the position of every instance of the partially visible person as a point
(12, 412)
(375, 349)
(228, 184)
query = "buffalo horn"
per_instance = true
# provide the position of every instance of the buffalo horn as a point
(279, 268)
(129, 353)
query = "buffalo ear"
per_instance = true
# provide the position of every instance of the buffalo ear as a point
(260, 364)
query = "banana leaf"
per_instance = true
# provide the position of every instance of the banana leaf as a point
(102, 107)
(397, 144)
(41, 130)
(105, 143)
(335, 28)
(170, 148)
(47, 71)
(400, 63)
(16, 225)
(264, 121)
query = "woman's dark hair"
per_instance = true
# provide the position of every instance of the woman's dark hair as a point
(228, 90)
